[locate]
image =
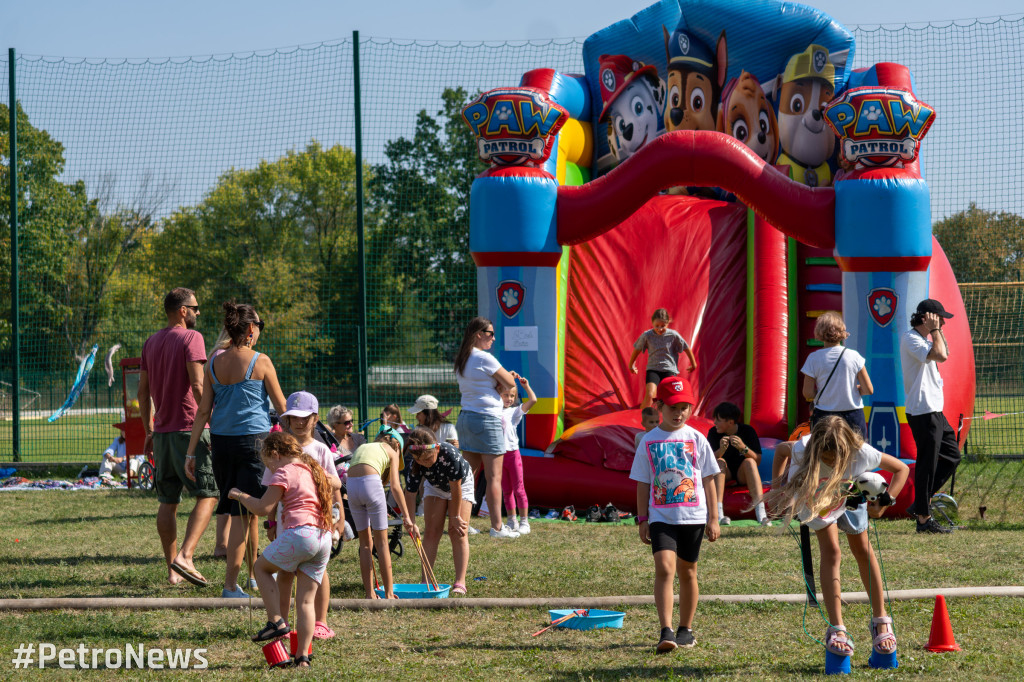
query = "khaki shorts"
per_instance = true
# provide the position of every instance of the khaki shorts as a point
(169, 454)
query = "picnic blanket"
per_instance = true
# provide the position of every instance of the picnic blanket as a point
(87, 483)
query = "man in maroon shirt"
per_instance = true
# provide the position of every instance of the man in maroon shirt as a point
(172, 375)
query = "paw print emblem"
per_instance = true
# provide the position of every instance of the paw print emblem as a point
(883, 306)
(608, 80)
(873, 113)
(510, 298)
(503, 113)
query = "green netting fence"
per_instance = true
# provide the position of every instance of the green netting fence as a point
(235, 176)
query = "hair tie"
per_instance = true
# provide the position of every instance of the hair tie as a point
(429, 446)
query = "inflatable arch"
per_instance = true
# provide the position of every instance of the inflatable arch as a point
(719, 159)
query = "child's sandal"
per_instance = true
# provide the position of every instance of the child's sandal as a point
(272, 631)
(836, 637)
(877, 639)
(459, 588)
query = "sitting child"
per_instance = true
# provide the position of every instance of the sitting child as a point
(116, 461)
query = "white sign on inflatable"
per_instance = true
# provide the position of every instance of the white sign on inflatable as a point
(520, 338)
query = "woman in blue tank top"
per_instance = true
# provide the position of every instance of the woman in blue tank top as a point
(236, 386)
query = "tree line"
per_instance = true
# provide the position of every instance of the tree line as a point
(282, 236)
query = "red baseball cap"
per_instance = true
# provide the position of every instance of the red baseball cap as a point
(675, 390)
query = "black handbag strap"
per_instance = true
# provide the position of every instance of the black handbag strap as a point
(834, 368)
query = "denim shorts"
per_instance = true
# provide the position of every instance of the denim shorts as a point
(305, 548)
(481, 433)
(852, 522)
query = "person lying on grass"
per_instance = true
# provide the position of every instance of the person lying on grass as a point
(822, 467)
(303, 545)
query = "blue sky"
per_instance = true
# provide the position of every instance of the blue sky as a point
(141, 28)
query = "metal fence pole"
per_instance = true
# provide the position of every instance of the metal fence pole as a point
(15, 339)
(363, 362)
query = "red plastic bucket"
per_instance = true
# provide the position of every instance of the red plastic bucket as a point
(275, 654)
(293, 639)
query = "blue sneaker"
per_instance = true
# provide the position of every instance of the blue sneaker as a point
(551, 514)
(236, 593)
(534, 513)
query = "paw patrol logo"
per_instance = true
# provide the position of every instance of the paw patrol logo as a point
(820, 60)
(882, 304)
(684, 44)
(879, 126)
(677, 386)
(510, 297)
(608, 80)
(514, 126)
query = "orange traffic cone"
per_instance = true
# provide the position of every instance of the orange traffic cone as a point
(941, 637)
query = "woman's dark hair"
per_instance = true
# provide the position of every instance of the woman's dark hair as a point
(433, 419)
(475, 326)
(421, 435)
(237, 318)
(728, 411)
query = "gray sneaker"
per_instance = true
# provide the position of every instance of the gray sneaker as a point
(473, 531)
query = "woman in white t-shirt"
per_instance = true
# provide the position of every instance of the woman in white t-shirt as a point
(425, 410)
(840, 395)
(481, 434)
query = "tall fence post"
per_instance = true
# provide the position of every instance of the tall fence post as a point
(364, 407)
(15, 339)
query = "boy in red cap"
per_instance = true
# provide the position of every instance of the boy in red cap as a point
(673, 464)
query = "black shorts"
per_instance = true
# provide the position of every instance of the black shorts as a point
(683, 539)
(655, 376)
(237, 464)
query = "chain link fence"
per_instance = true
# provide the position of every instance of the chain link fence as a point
(235, 176)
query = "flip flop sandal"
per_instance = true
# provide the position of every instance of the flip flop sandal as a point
(191, 575)
(272, 631)
(877, 638)
(458, 588)
(836, 635)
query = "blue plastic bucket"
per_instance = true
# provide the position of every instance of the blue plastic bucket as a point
(417, 591)
(595, 618)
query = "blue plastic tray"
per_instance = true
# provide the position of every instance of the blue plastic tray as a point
(596, 618)
(417, 591)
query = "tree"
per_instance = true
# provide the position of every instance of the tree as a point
(983, 246)
(282, 237)
(49, 213)
(422, 197)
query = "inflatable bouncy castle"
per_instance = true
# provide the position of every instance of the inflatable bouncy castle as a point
(722, 160)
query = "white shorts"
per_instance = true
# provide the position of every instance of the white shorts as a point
(468, 490)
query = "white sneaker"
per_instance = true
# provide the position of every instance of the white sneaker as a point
(505, 532)
(473, 531)
(766, 522)
(524, 527)
(513, 522)
(724, 521)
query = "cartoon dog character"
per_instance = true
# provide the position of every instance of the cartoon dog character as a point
(633, 97)
(694, 81)
(746, 114)
(802, 91)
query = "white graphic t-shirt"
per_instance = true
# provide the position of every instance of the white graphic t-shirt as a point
(674, 463)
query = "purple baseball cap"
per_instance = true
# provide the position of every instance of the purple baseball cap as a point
(301, 404)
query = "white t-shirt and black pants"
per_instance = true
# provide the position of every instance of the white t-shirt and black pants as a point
(839, 395)
(674, 464)
(938, 453)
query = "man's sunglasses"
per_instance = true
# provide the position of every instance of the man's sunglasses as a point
(193, 308)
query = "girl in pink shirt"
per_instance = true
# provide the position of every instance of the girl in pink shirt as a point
(303, 546)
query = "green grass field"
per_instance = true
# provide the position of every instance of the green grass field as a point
(92, 544)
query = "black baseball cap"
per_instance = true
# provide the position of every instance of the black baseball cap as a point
(930, 305)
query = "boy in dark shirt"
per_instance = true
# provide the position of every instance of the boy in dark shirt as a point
(738, 451)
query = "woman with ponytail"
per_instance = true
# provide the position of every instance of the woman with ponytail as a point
(238, 381)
